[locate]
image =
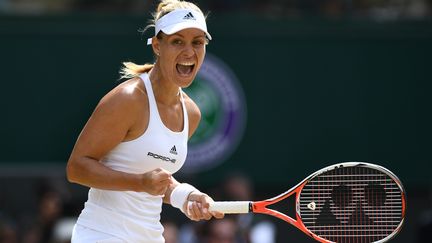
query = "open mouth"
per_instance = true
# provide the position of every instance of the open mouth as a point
(185, 68)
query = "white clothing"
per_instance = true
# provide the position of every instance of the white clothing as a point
(83, 234)
(134, 216)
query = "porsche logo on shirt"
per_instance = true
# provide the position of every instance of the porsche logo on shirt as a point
(157, 156)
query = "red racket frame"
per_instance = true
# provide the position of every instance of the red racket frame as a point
(261, 206)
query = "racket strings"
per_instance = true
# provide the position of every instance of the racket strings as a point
(351, 204)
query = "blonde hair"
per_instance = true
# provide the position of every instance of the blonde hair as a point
(130, 69)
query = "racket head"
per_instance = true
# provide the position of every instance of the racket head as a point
(351, 202)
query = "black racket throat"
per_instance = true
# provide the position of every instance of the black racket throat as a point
(287, 206)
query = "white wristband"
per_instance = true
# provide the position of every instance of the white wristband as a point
(180, 194)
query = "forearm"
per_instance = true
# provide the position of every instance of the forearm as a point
(92, 173)
(167, 196)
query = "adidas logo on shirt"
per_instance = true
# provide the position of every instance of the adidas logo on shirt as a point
(189, 16)
(173, 150)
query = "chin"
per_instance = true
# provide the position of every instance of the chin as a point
(185, 82)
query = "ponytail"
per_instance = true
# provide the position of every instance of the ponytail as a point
(132, 70)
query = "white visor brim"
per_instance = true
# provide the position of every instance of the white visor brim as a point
(178, 20)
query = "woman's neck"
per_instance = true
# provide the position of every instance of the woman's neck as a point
(165, 91)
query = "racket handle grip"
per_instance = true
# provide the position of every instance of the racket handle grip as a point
(233, 207)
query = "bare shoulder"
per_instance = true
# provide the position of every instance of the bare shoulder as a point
(128, 94)
(112, 121)
(124, 104)
(194, 113)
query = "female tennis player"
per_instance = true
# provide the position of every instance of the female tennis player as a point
(136, 138)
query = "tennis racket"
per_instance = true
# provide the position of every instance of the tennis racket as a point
(346, 202)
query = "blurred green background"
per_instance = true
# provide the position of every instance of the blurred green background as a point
(318, 91)
(322, 86)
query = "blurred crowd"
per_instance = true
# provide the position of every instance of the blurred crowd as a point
(56, 208)
(46, 221)
(375, 9)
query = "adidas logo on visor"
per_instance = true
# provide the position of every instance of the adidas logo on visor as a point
(189, 16)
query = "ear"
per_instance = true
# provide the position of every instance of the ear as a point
(156, 45)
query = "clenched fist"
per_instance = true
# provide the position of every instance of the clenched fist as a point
(156, 182)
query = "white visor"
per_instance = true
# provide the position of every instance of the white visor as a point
(180, 19)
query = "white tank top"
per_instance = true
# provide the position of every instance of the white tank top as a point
(135, 216)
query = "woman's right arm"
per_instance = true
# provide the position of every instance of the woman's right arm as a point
(110, 124)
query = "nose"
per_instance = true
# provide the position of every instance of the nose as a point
(188, 50)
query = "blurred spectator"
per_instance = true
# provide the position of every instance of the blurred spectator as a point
(170, 233)
(254, 228)
(220, 231)
(333, 8)
(425, 227)
(62, 231)
(50, 207)
(8, 231)
(418, 8)
(4, 5)
(188, 232)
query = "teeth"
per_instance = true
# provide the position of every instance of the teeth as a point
(186, 63)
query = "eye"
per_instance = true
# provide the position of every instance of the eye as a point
(177, 42)
(198, 42)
